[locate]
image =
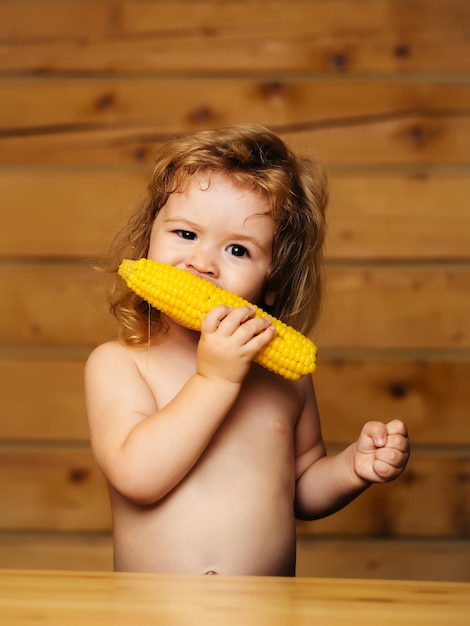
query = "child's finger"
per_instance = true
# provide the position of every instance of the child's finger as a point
(259, 337)
(385, 471)
(397, 427)
(391, 456)
(253, 327)
(212, 320)
(232, 321)
(398, 442)
(377, 432)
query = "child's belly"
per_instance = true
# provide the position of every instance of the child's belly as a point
(211, 544)
(239, 526)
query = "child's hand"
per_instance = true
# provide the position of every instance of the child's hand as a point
(230, 339)
(382, 451)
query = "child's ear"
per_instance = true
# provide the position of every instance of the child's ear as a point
(269, 298)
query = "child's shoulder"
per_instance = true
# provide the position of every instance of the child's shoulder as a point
(109, 354)
(109, 347)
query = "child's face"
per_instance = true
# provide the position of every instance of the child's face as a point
(221, 232)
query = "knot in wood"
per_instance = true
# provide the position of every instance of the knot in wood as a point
(339, 61)
(402, 51)
(105, 102)
(202, 115)
(398, 390)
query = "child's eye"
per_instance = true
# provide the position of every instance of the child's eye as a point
(238, 250)
(186, 234)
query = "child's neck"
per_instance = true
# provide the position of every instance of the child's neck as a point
(179, 335)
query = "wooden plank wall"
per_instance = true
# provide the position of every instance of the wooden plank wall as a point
(379, 90)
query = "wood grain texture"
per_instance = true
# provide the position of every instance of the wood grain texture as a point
(382, 559)
(52, 488)
(98, 598)
(52, 304)
(119, 121)
(56, 551)
(396, 306)
(65, 213)
(340, 36)
(43, 398)
(411, 216)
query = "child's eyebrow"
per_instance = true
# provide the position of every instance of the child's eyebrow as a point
(247, 239)
(178, 220)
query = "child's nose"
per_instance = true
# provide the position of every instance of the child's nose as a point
(203, 261)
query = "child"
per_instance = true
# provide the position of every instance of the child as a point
(209, 457)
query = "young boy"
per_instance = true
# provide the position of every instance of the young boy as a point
(209, 457)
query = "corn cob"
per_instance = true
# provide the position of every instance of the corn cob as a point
(187, 299)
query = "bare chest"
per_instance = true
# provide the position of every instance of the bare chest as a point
(259, 426)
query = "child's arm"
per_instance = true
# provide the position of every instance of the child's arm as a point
(326, 484)
(145, 450)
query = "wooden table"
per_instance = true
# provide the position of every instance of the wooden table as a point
(99, 598)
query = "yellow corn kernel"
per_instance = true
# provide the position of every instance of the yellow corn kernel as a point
(187, 299)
